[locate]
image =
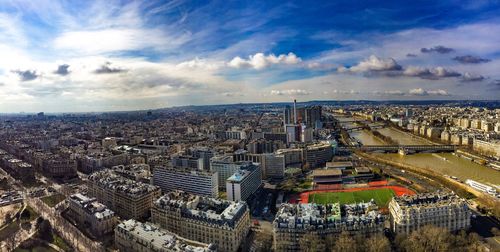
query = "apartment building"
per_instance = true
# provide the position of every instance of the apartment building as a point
(446, 210)
(126, 197)
(91, 214)
(132, 235)
(294, 221)
(203, 219)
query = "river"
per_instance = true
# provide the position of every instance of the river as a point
(444, 163)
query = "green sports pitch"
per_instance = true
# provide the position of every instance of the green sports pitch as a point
(381, 196)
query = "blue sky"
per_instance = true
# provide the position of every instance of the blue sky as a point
(64, 56)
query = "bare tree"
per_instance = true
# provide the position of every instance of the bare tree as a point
(11, 242)
(344, 243)
(310, 242)
(377, 243)
(428, 238)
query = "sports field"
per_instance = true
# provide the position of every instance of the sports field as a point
(382, 196)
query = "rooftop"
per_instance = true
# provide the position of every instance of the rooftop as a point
(429, 199)
(207, 209)
(327, 172)
(314, 216)
(160, 239)
(343, 164)
(91, 206)
(244, 171)
(108, 179)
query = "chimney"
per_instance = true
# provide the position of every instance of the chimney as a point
(295, 111)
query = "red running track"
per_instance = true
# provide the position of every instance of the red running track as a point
(398, 190)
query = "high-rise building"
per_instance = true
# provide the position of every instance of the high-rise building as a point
(446, 210)
(132, 235)
(126, 197)
(306, 135)
(204, 219)
(194, 181)
(292, 133)
(312, 116)
(244, 182)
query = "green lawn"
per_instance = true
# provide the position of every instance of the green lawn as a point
(8, 230)
(58, 241)
(53, 199)
(381, 197)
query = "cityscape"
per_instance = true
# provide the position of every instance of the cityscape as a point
(157, 126)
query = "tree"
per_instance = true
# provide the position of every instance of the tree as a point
(26, 214)
(428, 238)
(8, 218)
(344, 243)
(11, 242)
(495, 231)
(377, 243)
(310, 242)
(45, 231)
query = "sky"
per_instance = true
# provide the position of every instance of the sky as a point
(82, 56)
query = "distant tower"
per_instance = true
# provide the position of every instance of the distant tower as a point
(295, 111)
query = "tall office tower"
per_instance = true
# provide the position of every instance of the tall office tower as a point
(408, 112)
(128, 198)
(295, 111)
(306, 135)
(287, 115)
(446, 210)
(292, 133)
(203, 219)
(312, 116)
(244, 182)
(194, 181)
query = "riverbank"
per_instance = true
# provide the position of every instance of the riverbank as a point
(462, 190)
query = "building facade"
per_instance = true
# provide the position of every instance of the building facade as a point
(126, 197)
(203, 219)
(294, 221)
(91, 214)
(244, 182)
(132, 235)
(192, 181)
(446, 210)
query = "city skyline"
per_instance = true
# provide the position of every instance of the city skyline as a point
(78, 56)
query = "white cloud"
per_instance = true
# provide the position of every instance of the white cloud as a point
(198, 63)
(422, 92)
(373, 63)
(290, 92)
(115, 40)
(433, 73)
(260, 61)
(472, 77)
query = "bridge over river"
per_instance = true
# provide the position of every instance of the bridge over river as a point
(404, 148)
